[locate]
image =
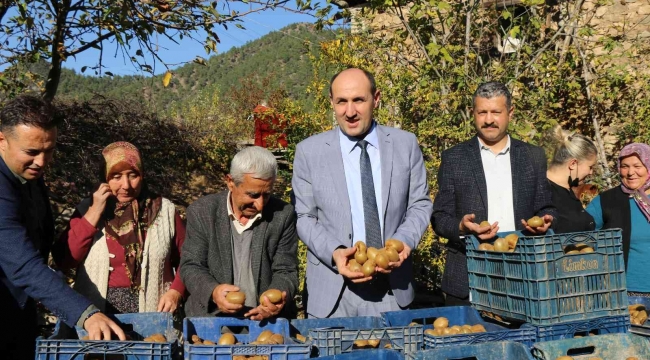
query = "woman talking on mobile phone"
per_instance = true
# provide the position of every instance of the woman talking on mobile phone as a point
(125, 241)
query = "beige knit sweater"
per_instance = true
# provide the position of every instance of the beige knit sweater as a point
(92, 275)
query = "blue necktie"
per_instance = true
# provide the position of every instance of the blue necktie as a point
(370, 213)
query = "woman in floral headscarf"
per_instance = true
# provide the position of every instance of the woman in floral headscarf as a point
(628, 207)
(125, 241)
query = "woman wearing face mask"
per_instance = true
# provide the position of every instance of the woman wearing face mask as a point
(573, 160)
(628, 207)
(125, 241)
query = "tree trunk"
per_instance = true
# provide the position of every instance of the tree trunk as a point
(58, 48)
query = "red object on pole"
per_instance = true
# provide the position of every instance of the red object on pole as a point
(267, 124)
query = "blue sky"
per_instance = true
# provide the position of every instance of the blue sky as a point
(256, 25)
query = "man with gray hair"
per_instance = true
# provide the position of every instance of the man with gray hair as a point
(491, 177)
(241, 240)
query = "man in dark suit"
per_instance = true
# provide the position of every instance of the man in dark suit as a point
(242, 239)
(27, 140)
(491, 177)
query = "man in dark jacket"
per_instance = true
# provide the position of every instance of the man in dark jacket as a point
(241, 240)
(28, 134)
(491, 177)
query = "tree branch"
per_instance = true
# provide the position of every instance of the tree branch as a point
(88, 45)
(586, 76)
(4, 7)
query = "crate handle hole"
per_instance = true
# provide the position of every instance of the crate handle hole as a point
(234, 329)
(104, 357)
(465, 358)
(587, 350)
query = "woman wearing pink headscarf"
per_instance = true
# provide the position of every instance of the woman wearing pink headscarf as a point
(628, 207)
(125, 241)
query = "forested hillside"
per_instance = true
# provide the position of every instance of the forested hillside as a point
(280, 56)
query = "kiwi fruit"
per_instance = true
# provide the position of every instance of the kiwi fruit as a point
(196, 339)
(586, 250)
(354, 266)
(226, 339)
(264, 335)
(361, 246)
(486, 247)
(484, 223)
(478, 328)
(564, 358)
(372, 252)
(360, 344)
(512, 240)
(395, 244)
(277, 338)
(392, 254)
(382, 260)
(501, 245)
(535, 221)
(274, 295)
(373, 343)
(360, 257)
(441, 323)
(157, 338)
(236, 297)
(368, 268)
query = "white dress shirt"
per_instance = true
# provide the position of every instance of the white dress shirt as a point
(239, 226)
(351, 164)
(498, 178)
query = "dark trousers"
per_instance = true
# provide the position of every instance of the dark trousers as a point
(451, 300)
(18, 330)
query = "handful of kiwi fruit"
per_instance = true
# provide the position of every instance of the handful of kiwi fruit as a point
(638, 314)
(578, 249)
(366, 259)
(441, 328)
(506, 244)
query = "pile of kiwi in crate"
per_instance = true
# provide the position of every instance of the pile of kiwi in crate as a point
(441, 328)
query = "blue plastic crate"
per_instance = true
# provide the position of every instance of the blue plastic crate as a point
(61, 346)
(607, 347)
(211, 329)
(457, 315)
(643, 330)
(503, 350)
(334, 336)
(539, 284)
(567, 330)
(373, 354)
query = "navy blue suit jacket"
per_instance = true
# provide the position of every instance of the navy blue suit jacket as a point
(23, 271)
(462, 190)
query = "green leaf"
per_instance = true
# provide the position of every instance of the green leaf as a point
(433, 49)
(446, 55)
(444, 6)
(505, 14)
(516, 30)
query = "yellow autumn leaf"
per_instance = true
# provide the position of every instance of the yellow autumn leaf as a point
(167, 78)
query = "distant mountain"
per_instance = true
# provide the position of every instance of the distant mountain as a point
(280, 55)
